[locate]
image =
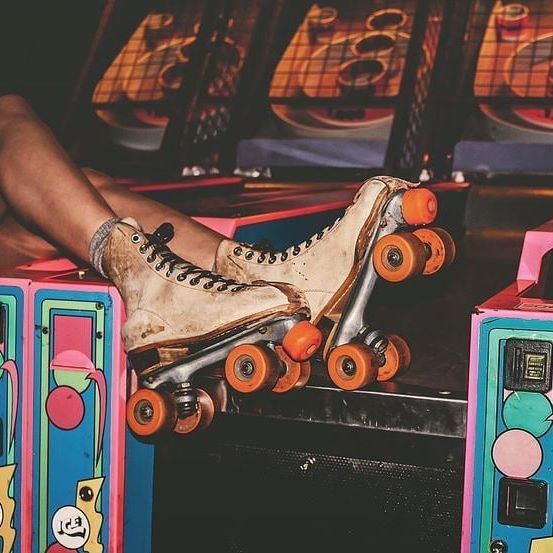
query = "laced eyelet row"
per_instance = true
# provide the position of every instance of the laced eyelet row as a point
(172, 261)
(272, 256)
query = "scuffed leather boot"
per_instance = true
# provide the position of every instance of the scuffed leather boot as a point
(172, 305)
(325, 266)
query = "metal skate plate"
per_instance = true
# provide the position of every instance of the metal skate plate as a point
(266, 330)
(433, 315)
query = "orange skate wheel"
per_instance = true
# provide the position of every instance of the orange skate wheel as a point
(296, 376)
(398, 358)
(302, 341)
(450, 248)
(202, 418)
(250, 368)
(352, 366)
(419, 206)
(440, 248)
(399, 256)
(150, 411)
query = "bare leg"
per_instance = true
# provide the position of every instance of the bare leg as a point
(193, 241)
(46, 191)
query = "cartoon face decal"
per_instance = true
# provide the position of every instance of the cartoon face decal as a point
(71, 527)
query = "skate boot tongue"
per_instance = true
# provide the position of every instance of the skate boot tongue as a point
(131, 222)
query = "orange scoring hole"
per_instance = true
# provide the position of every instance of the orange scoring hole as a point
(302, 341)
(149, 412)
(250, 368)
(419, 206)
(351, 366)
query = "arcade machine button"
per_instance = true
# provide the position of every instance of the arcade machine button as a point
(527, 365)
(522, 502)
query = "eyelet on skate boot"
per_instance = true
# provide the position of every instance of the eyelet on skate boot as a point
(261, 258)
(440, 248)
(135, 238)
(238, 251)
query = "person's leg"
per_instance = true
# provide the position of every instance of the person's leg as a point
(193, 241)
(170, 303)
(45, 190)
(41, 185)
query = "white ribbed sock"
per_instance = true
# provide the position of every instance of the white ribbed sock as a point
(98, 244)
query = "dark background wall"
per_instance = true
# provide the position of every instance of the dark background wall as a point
(43, 44)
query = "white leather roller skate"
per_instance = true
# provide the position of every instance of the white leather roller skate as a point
(182, 319)
(337, 269)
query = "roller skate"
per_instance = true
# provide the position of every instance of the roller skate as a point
(338, 267)
(183, 320)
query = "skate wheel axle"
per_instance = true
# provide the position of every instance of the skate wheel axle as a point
(150, 411)
(200, 418)
(352, 366)
(250, 368)
(440, 248)
(397, 358)
(399, 256)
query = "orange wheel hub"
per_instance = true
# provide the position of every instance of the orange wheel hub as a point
(250, 368)
(419, 206)
(296, 376)
(202, 418)
(399, 256)
(352, 366)
(440, 248)
(302, 341)
(150, 411)
(398, 358)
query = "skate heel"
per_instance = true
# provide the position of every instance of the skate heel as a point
(355, 355)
